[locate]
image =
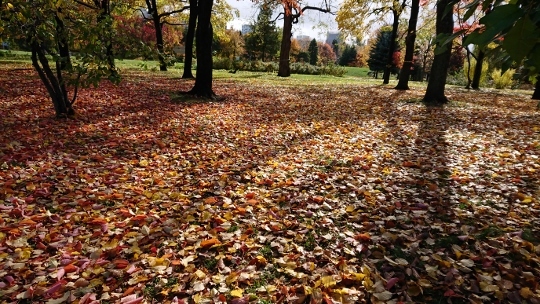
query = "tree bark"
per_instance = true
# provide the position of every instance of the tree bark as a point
(203, 82)
(439, 70)
(478, 70)
(390, 59)
(403, 83)
(192, 23)
(63, 46)
(284, 65)
(159, 35)
(53, 83)
(104, 19)
(536, 93)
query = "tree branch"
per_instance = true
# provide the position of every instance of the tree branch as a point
(86, 4)
(277, 17)
(324, 10)
(171, 23)
(166, 14)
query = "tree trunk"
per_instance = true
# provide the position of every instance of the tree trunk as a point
(192, 23)
(439, 69)
(284, 65)
(536, 93)
(390, 59)
(104, 18)
(159, 36)
(53, 83)
(203, 82)
(403, 83)
(478, 70)
(63, 46)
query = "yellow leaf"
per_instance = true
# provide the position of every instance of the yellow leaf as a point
(328, 281)
(350, 208)
(143, 163)
(359, 276)
(526, 292)
(527, 200)
(237, 293)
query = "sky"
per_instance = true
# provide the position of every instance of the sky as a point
(313, 23)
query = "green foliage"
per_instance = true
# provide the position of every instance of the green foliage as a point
(348, 56)
(263, 41)
(313, 51)
(503, 80)
(518, 23)
(220, 63)
(378, 55)
(270, 67)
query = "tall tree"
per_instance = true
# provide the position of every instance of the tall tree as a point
(379, 52)
(190, 35)
(159, 17)
(263, 40)
(313, 51)
(404, 75)
(204, 33)
(105, 25)
(397, 8)
(439, 70)
(348, 55)
(292, 10)
(354, 18)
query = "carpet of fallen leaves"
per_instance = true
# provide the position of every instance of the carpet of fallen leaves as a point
(341, 194)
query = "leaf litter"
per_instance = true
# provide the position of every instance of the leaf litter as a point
(278, 194)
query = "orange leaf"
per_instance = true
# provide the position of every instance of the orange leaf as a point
(250, 195)
(318, 199)
(70, 268)
(252, 202)
(210, 200)
(98, 221)
(27, 222)
(363, 237)
(209, 243)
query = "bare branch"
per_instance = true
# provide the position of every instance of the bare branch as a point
(324, 10)
(171, 23)
(166, 14)
(277, 17)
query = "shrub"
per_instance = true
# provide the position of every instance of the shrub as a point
(483, 76)
(502, 80)
(222, 63)
(333, 70)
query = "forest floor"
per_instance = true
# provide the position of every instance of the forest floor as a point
(276, 194)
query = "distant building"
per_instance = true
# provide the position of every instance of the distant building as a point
(331, 37)
(303, 37)
(246, 28)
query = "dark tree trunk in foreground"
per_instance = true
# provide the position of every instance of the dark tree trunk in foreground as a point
(390, 59)
(203, 81)
(192, 23)
(478, 70)
(439, 69)
(54, 82)
(284, 66)
(156, 19)
(405, 73)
